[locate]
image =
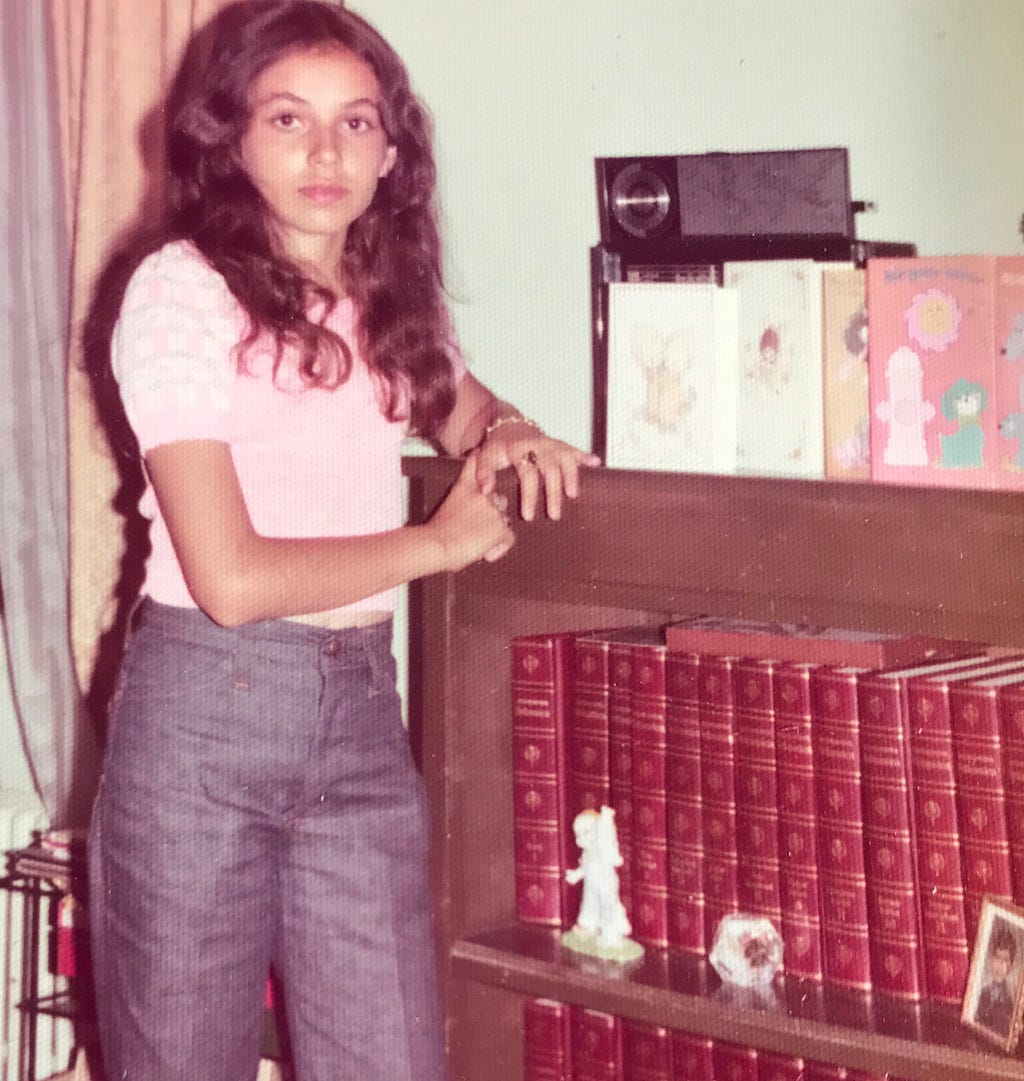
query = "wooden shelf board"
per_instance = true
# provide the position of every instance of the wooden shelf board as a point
(922, 1043)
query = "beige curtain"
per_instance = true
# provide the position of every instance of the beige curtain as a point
(114, 61)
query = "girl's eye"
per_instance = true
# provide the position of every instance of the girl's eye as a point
(359, 123)
(286, 121)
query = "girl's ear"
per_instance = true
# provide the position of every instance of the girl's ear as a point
(390, 156)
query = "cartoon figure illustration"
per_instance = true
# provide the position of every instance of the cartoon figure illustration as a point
(1014, 347)
(770, 368)
(855, 339)
(602, 927)
(1012, 427)
(995, 1002)
(933, 320)
(664, 360)
(905, 411)
(964, 402)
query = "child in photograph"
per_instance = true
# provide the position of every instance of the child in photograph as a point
(995, 1002)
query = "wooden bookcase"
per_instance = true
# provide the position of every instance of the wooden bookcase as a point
(648, 547)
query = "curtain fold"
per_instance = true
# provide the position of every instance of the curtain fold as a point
(114, 60)
(34, 574)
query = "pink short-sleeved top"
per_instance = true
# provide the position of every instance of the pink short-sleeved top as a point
(311, 462)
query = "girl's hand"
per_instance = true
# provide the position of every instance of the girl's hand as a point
(537, 459)
(471, 524)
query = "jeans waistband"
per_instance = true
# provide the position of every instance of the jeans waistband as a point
(196, 626)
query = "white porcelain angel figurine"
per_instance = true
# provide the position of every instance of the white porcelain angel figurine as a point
(602, 927)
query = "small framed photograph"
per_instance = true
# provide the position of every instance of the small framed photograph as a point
(994, 1000)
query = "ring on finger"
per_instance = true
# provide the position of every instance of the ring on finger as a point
(529, 458)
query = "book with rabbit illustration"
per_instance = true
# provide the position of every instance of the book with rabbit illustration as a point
(672, 377)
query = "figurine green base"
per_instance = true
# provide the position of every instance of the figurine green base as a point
(581, 942)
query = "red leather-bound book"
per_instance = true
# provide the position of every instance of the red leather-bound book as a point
(683, 802)
(602, 731)
(542, 826)
(936, 822)
(588, 736)
(547, 1034)
(757, 815)
(771, 640)
(893, 901)
(596, 1046)
(735, 1061)
(823, 1071)
(846, 957)
(1011, 716)
(718, 789)
(775, 1067)
(692, 1057)
(649, 912)
(647, 1052)
(798, 822)
(981, 791)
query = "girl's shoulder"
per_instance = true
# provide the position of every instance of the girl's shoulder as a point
(178, 280)
(178, 262)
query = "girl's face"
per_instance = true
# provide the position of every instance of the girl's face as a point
(315, 147)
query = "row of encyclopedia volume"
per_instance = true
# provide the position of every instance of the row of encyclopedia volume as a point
(910, 371)
(863, 791)
(569, 1043)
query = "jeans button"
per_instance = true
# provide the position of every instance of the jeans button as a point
(332, 647)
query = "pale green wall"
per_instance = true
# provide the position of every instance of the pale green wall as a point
(927, 94)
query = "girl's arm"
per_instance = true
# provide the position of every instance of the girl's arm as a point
(502, 437)
(236, 575)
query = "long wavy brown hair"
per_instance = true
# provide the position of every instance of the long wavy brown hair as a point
(392, 260)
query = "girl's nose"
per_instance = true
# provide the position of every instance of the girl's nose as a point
(324, 148)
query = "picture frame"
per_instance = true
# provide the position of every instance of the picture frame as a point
(993, 1006)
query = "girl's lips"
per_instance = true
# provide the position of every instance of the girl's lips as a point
(323, 193)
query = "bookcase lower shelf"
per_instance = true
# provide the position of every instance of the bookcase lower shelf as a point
(913, 1041)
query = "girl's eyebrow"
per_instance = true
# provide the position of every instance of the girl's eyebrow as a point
(287, 95)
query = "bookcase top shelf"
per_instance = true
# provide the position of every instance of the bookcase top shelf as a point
(917, 560)
(672, 989)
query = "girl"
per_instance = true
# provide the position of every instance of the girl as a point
(259, 805)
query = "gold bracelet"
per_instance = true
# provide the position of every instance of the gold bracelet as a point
(509, 418)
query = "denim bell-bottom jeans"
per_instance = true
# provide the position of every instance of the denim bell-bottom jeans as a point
(259, 806)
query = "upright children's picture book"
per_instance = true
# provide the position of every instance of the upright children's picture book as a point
(671, 377)
(946, 357)
(780, 378)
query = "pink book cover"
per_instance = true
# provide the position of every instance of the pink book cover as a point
(844, 907)
(934, 371)
(647, 1051)
(596, 1046)
(692, 1057)
(937, 831)
(1010, 370)
(845, 360)
(779, 431)
(889, 838)
(798, 822)
(547, 1050)
(718, 789)
(757, 815)
(981, 791)
(684, 827)
(649, 914)
(1011, 718)
(821, 644)
(543, 839)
